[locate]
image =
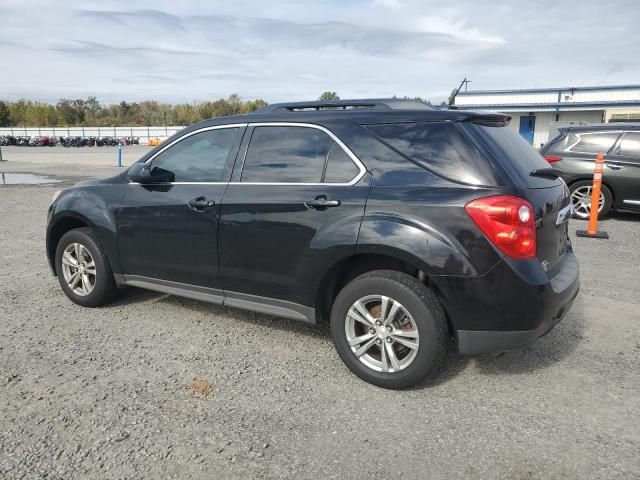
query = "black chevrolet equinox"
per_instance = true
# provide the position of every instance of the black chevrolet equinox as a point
(401, 225)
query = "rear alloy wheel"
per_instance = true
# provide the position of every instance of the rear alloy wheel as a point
(581, 199)
(382, 333)
(389, 329)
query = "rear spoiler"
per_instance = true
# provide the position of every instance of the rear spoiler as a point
(489, 120)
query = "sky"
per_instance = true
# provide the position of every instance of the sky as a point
(194, 50)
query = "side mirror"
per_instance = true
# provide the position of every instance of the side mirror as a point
(140, 172)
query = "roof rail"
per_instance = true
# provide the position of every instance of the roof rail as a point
(377, 103)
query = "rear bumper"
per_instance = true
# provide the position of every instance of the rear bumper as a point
(511, 306)
(472, 342)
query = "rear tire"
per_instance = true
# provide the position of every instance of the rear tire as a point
(415, 333)
(581, 199)
(83, 269)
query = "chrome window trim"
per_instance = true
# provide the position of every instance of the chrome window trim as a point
(580, 134)
(200, 130)
(362, 169)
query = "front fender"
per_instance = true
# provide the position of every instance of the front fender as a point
(92, 206)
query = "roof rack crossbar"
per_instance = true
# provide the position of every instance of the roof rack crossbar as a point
(378, 103)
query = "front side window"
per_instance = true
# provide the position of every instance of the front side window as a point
(593, 142)
(201, 157)
(630, 145)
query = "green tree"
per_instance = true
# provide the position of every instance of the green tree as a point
(71, 112)
(329, 96)
(4, 114)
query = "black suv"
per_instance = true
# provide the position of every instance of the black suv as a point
(401, 225)
(573, 152)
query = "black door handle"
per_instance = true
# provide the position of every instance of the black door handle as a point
(200, 204)
(322, 202)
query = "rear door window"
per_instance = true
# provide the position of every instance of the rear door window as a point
(296, 154)
(340, 168)
(439, 147)
(286, 155)
(630, 145)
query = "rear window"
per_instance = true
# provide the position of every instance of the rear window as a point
(439, 147)
(515, 154)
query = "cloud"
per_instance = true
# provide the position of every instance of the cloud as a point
(291, 50)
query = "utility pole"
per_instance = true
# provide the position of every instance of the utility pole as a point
(464, 82)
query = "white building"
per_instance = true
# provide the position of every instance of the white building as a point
(537, 112)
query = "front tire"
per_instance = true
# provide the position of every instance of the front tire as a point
(389, 329)
(83, 269)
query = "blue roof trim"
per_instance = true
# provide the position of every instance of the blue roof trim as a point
(550, 90)
(559, 106)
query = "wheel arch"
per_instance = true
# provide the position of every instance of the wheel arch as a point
(342, 272)
(60, 226)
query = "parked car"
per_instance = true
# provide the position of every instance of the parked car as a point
(573, 152)
(401, 225)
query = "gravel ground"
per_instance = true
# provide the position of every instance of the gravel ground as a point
(161, 387)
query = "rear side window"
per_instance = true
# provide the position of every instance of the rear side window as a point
(515, 154)
(439, 147)
(630, 145)
(286, 155)
(593, 142)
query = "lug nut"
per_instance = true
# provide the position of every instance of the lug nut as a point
(389, 340)
(378, 323)
(388, 328)
(371, 330)
(379, 342)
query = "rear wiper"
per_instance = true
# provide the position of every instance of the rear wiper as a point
(546, 172)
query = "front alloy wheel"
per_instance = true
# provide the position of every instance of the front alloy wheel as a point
(83, 269)
(79, 269)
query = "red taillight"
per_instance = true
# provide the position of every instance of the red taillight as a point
(552, 159)
(508, 222)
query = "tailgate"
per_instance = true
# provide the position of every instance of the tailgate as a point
(553, 210)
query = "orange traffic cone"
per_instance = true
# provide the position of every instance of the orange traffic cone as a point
(592, 230)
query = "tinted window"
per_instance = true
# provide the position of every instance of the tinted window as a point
(439, 147)
(630, 145)
(514, 153)
(340, 167)
(594, 142)
(198, 158)
(286, 155)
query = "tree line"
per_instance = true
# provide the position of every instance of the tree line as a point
(90, 112)
(149, 113)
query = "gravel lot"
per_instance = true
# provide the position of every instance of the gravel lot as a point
(110, 392)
